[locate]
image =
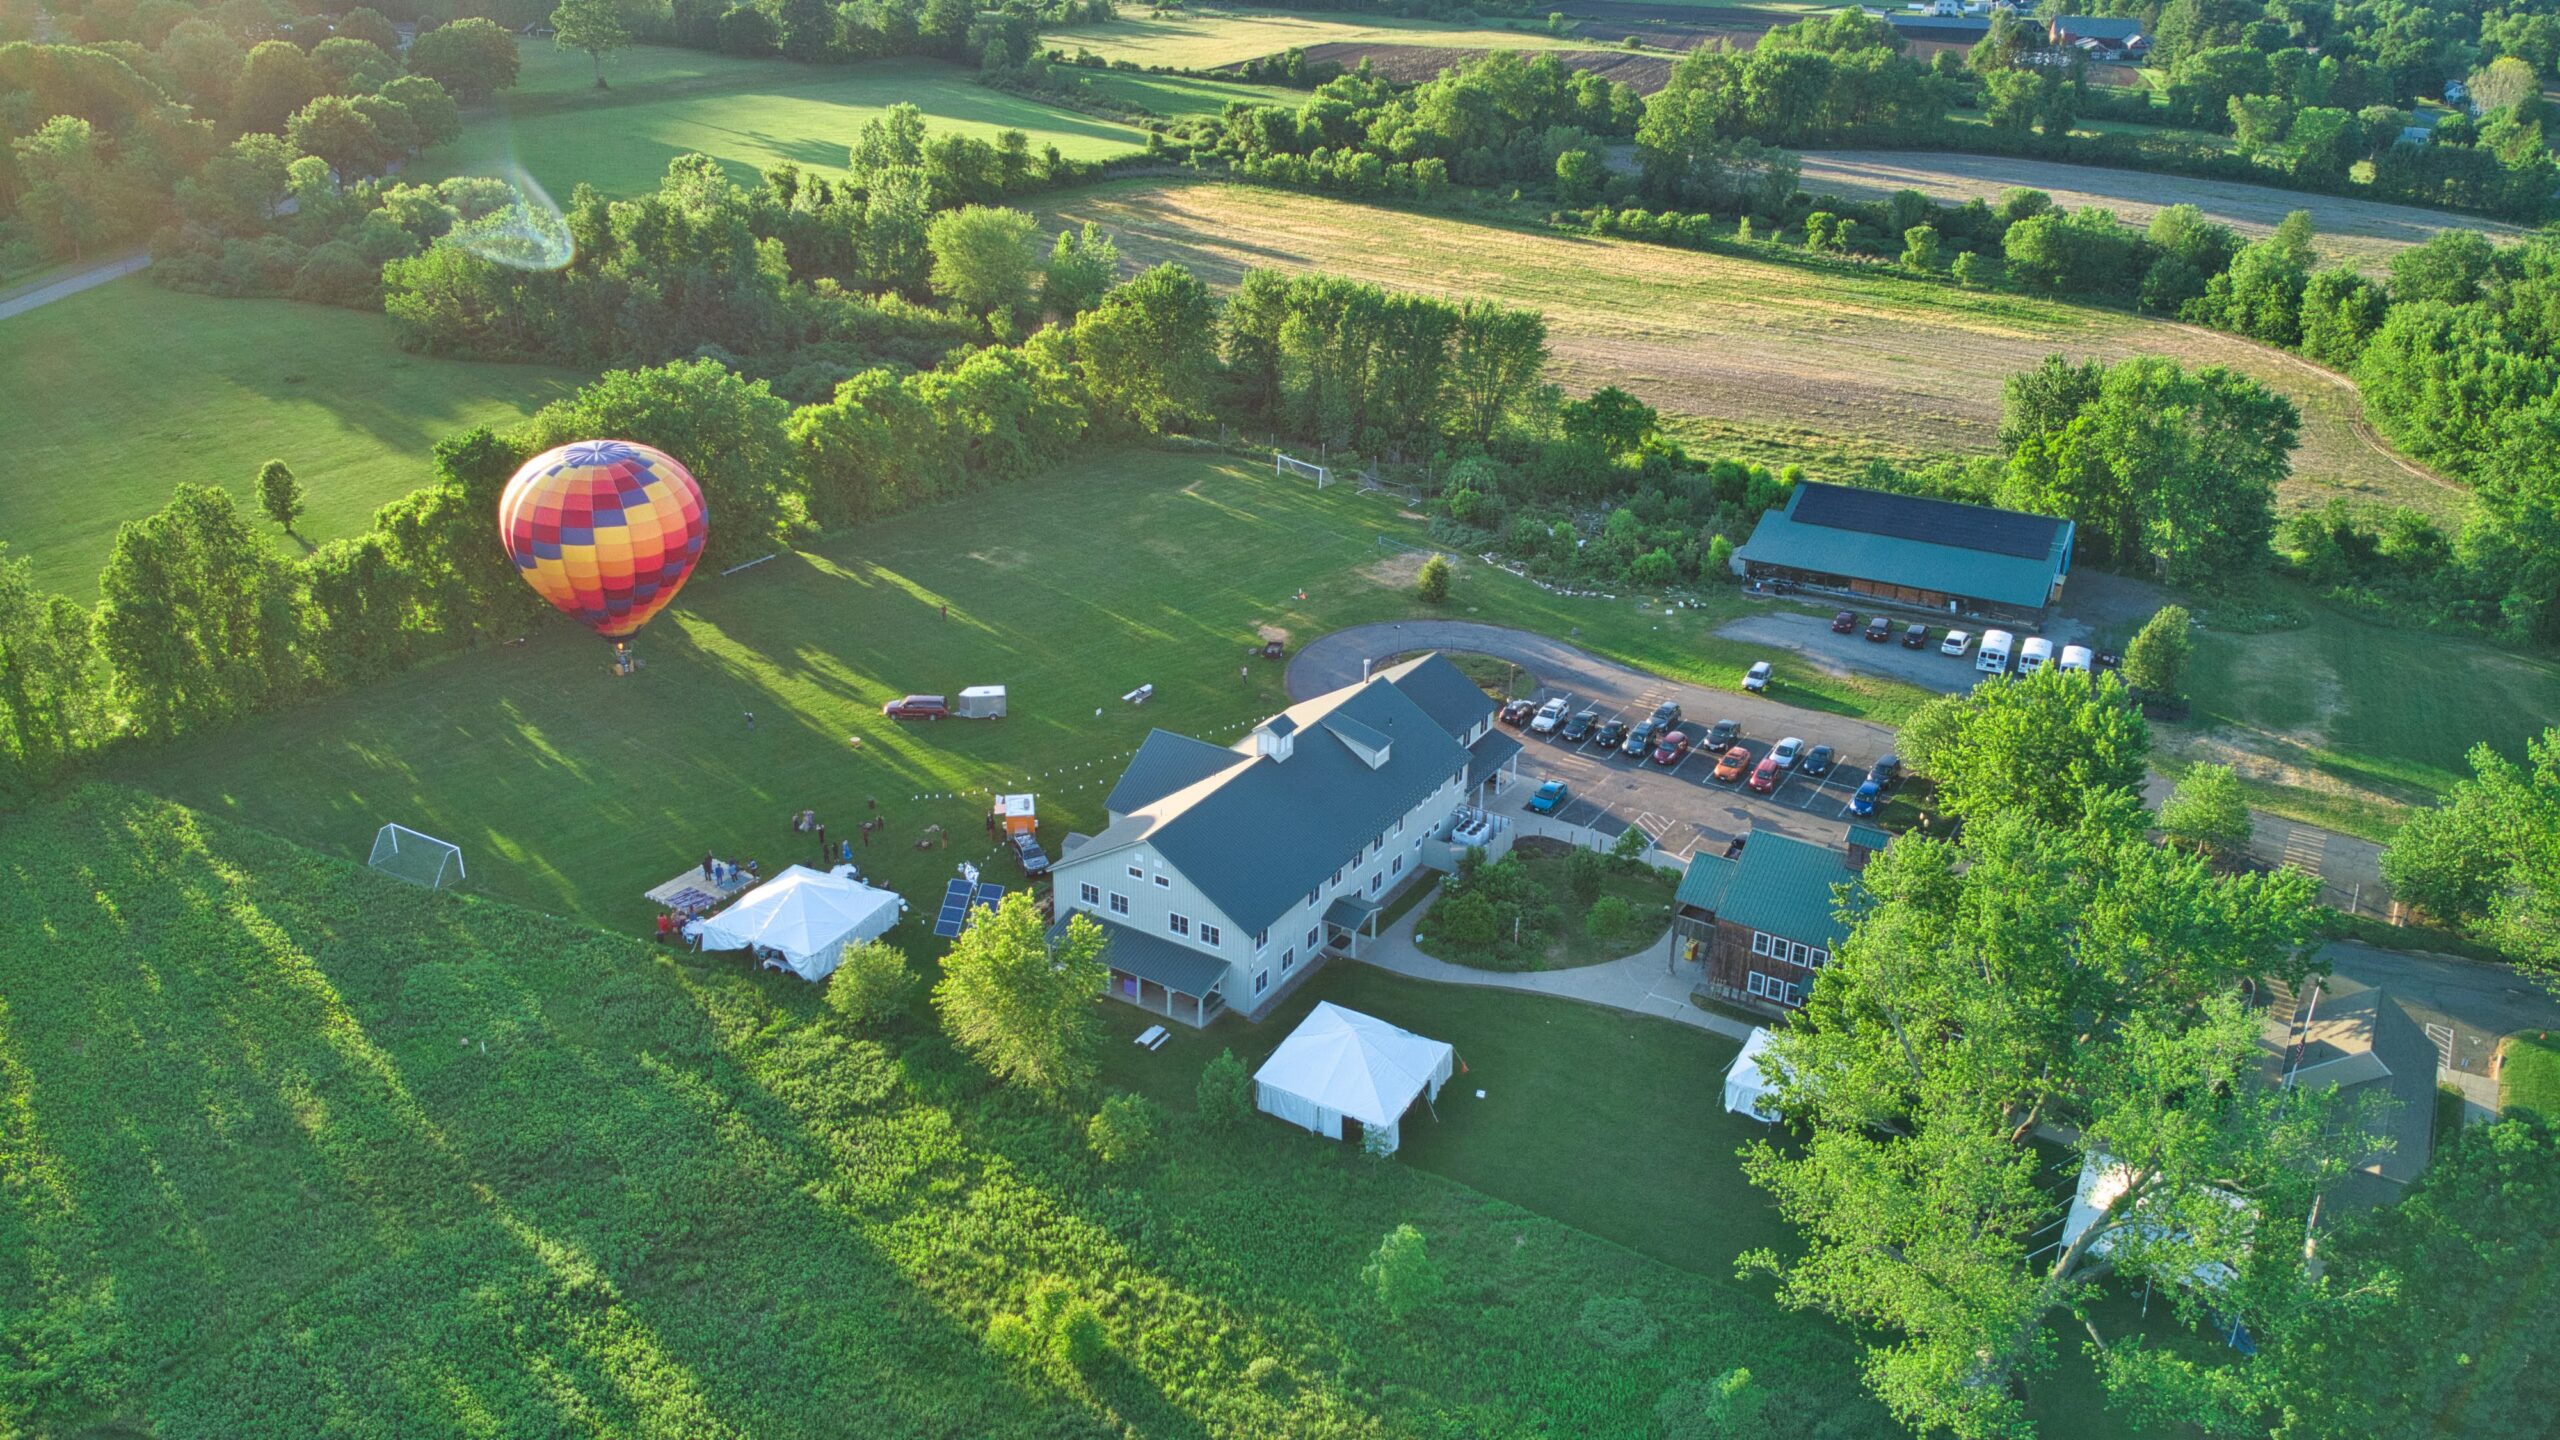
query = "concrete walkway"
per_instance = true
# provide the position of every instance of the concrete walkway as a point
(1648, 982)
(89, 276)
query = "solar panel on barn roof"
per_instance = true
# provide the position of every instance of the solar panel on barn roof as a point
(1935, 522)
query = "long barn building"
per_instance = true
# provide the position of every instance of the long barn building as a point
(1912, 551)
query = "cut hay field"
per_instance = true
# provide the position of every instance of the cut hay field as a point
(575, 792)
(1175, 96)
(748, 114)
(1200, 39)
(2365, 233)
(116, 394)
(1762, 357)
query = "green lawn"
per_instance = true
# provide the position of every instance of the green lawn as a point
(2363, 719)
(294, 1149)
(2529, 1076)
(1178, 96)
(1647, 1160)
(116, 394)
(574, 791)
(748, 114)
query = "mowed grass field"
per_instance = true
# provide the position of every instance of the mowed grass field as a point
(295, 1149)
(2364, 233)
(748, 114)
(2360, 721)
(2529, 1074)
(574, 791)
(1201, 39)
(116, 394)
(1764, 358)
(1176, 96)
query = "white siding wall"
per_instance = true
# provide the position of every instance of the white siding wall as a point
(1151, 904)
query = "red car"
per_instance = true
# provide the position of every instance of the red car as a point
(917, 707)
(1673, 749)
(1844, 622)
(1765, 775)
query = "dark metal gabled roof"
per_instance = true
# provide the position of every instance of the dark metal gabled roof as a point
(1443, 691)
(1168, 963)
(1167, 762)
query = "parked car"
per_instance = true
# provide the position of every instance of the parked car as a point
(1725, 733)
(1756, 679)
(1844, 622)
(1870, 794)
(1733, 847)
(1549, 799)
(1672, 749)
(1729, 766)
(1786, 751)
(1516, 713)
(1816, 761)
(1579, 728)
(1887, 771)
(1549, 716)
(917, 707)
(1666, 716)
(1915, 636)
(1955, 643)
(1611, 735)
(1639, 742)
(1766, 775)
(1026, 848)
(1879, 630)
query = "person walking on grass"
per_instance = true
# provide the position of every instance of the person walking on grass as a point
(751, 722)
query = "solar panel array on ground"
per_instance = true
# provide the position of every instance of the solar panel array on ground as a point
(1935, 522)
(957, 897)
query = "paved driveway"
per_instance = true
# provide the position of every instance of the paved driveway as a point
(1854, 654)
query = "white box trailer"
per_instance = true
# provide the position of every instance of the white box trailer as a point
(1993, 657)
(2034, 655)
(980, 702)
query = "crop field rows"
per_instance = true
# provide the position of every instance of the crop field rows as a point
(1836, 369)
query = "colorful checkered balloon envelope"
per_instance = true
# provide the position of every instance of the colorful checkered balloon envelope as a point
(606, 530)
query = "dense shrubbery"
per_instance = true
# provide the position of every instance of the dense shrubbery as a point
(640, 1164)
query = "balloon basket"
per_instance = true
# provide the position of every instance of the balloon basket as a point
(624, 662)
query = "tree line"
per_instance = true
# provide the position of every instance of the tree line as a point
(201, 623)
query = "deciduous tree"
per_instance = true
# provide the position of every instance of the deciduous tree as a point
(1023, 1006)
(982, 258)
(279, 494)
(2053, 745)
(472, 58)
(593, 26)
(1402, 1275)
(2207, 811)
(2156, 661)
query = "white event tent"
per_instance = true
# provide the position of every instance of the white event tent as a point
(2103, 1180)
(806, 917)
(1747, 1090)
(1342, 1065)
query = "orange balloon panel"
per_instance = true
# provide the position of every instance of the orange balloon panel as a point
(606, 530)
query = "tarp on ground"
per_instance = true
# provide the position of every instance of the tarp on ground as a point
(1747, 1090)
(1340, 1063)
(805, 917)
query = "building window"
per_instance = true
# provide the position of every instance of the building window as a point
(1090, 894)
(1210, 935)
(1315, 938)
(1821, 958)
(1119, 903)
(1178, 924)
(1396, 866)
(1163, 883)
(1375, 881)
(1261, 981)
(1759, 946)
(1137, 874)
(1288, 959)
(1261, 939)
(1314, 895)
(1399, 827)
(1755, 982)
(1337, 874)
(1795, 995)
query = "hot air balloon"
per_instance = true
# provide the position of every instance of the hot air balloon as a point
(606, 530)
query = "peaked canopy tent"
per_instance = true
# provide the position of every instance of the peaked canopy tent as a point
(1342, 1065)
(1747, 1090)
(805, 917)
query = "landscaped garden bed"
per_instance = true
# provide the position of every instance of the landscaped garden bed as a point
(1546, 906)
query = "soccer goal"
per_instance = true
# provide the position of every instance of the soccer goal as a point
(419, 859)
(1286, 465)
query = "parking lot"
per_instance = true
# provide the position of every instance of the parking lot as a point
(1812, 637)
(1683, 806)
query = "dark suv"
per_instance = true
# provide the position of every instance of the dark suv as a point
(1725, 733)
(1666, 716)
(1915, 637)
(1879, 630)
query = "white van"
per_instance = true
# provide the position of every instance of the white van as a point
(2034, 655)
(1993, 657)
(2075, 657)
